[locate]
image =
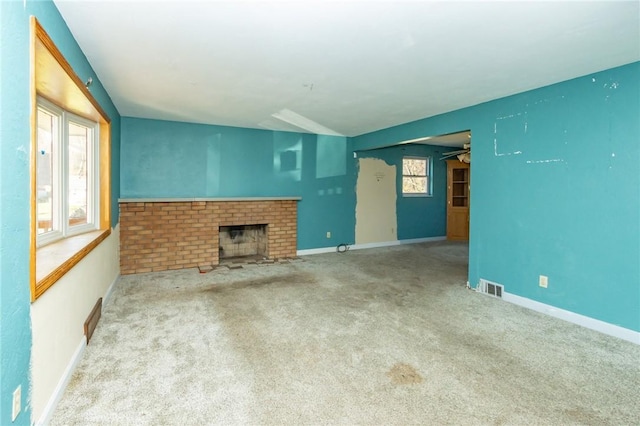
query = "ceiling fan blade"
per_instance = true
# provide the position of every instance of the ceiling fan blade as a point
(460, 151)
(449, 155)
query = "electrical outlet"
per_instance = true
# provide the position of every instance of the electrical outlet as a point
(17, 400)
(544, 281)
(328, 234)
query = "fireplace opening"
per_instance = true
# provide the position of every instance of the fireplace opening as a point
(243, 241)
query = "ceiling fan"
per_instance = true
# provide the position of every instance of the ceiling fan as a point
(464, 154)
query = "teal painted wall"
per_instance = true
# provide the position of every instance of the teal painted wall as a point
(555, 191)
(15, 326)
(418, 217)
(181, 160)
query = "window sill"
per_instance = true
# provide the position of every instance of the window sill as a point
(56, 259)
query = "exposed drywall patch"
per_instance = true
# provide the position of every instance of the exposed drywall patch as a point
(515, 125)
(613, 85)
(555, 131)
(376, 219)
(519, 133)
(553, 160)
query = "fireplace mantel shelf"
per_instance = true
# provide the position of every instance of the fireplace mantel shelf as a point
(185, 200)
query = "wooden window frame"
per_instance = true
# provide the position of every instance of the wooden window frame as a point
(53, 78)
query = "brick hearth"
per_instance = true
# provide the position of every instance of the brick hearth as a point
(164, 235)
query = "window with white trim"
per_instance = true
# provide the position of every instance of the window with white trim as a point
(67, 175)
(416, 176)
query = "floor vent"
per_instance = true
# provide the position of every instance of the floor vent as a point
(490, 288)
(92, 321)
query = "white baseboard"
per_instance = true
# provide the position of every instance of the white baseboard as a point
(45, 418)
(321, 250)
(50, 408)
(107, 295)
(584, 321)
(396, 243)
(371, 245)
(423, 240)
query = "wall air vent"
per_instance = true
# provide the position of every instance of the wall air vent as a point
(490, 288)
(92, 321)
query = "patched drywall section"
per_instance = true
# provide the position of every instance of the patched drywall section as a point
(376, 219)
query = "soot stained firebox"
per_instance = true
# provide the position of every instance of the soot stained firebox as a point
(242, 241)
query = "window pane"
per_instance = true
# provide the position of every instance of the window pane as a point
(414, 185)
(79, 143)
(414, 167)
(44, 179)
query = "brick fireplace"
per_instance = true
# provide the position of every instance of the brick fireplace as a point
(165, 234)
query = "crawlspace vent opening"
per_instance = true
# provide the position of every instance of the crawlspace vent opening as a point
(490, 288)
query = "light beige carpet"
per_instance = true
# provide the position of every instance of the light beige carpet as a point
(376, 337)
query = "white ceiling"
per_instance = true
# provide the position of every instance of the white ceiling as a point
(342, 67)
(457, 139)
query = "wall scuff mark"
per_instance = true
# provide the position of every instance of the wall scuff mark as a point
(552, 160)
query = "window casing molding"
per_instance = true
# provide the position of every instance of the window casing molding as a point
(54, 83)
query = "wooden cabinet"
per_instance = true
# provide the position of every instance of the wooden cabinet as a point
(458, 187)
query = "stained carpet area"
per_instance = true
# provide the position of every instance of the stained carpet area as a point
(381, 336)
